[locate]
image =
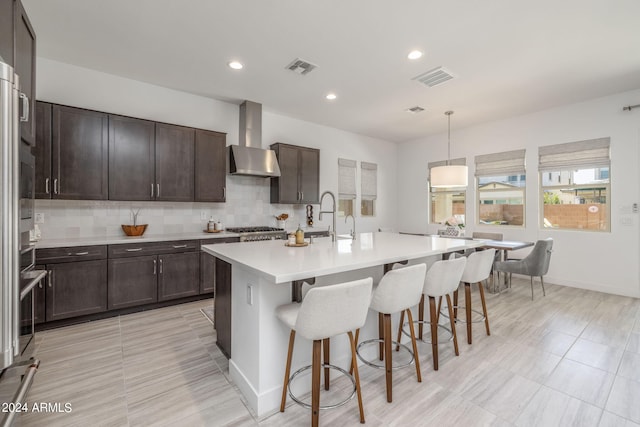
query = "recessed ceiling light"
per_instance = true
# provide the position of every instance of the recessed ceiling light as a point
(414, 54)
(236, 65)
(331, 96)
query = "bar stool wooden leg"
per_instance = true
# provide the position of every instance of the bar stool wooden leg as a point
(387, 356)
(325, 357)
(381, 334)
(415, 345)
(420, 316)
(467, 303)
(315, 382)
(287, 370)
(455, 305)
(356, 375)
(353, 356)
(439, 308)
(484, 308)
(434, 331)
(400, 330)
(453, 326)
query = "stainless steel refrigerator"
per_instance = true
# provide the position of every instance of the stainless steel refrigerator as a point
(17, 254)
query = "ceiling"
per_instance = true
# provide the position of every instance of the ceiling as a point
(509, 57)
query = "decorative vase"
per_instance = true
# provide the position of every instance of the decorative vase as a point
(451, 230)
(134, 230)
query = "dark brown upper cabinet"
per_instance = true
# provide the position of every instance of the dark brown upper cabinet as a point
(175, 158)
(210, 166)
(6, 31)
(25, 67)
(79, 157)
(131, 159)
(42, 151)
(299, 180)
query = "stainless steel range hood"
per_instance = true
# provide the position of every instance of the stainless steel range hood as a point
(248, 157)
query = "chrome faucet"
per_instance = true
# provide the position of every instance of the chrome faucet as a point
(332, 212)
(353, 232)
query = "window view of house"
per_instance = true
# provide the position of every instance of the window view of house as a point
(576, 199)
(445, 203)
(501, 199)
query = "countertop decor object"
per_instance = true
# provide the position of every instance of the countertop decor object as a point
(212, 231)
(296, 245)
(134, 230)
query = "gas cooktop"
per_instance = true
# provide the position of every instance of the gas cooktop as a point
(253, 229)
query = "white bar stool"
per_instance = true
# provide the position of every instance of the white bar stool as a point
(477, 270)
(442, 279)
(325, 312)
(398, 291)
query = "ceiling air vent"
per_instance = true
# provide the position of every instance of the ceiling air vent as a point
(434, 77)
(414, 110)
(300, 66)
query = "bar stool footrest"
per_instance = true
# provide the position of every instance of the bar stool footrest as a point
(461, 309)
(324, 365)
(381, 364)
(424, 322)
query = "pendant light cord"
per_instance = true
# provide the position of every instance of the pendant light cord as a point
(448, 114)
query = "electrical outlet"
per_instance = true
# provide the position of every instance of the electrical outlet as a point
(39, 219)
(203, 215)
(250, 294)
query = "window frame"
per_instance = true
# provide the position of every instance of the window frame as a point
(462, 161)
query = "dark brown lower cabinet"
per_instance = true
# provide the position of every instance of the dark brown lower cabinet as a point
(75, 289)
(207, 273)
(178, 275)
(39, 294)
(132, 281)
(222, 304)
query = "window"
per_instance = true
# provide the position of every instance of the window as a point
(501, 183)
(346, 186)
(369, 184)
(447, 202)
(575, 185)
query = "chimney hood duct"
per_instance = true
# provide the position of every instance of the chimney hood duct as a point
(248, 157)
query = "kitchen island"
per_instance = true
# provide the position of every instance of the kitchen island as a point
(264, 275)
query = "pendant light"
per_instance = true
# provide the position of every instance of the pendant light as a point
(449, 175)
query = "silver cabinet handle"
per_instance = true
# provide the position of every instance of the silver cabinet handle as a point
(157, 190)
(40, 285)
(152, 190)
(302, 195)
(224, 192)
(154, 267)
(179, 246)
(134, 250)
(50, 278)
(25, 107)
(46, 185)
(55, 186)
(161, 266)
(81, 253)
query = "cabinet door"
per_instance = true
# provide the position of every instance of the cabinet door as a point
(6, 31)
(80, 154)
(210, 166)
(76, 289)
(25, 67)
(309, 178)
(132, 281)
(178, 275)
(207, 273)
(222, 304)
(174, 163)
(42, 151)
(285, 188)
(131, 158)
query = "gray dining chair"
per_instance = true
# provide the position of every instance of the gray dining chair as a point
(534, 264)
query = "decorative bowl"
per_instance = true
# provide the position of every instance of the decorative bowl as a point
(134, 230)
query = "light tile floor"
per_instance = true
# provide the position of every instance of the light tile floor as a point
(570, 358)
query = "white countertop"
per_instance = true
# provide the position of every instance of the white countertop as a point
(116, 240)
(279, 263)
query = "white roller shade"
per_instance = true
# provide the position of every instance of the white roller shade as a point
(574, 155)
(505, 163)
(346, 179)
(369, 180)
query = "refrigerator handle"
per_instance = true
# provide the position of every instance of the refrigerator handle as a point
(25, 107)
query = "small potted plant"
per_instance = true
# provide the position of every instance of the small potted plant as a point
(454, 228)
(135, 229)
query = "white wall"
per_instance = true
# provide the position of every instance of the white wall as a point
(247, 197)
(607, 262)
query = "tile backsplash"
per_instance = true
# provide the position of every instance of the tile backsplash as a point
(247, 204)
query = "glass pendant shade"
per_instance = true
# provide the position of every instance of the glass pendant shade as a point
(449, 176)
